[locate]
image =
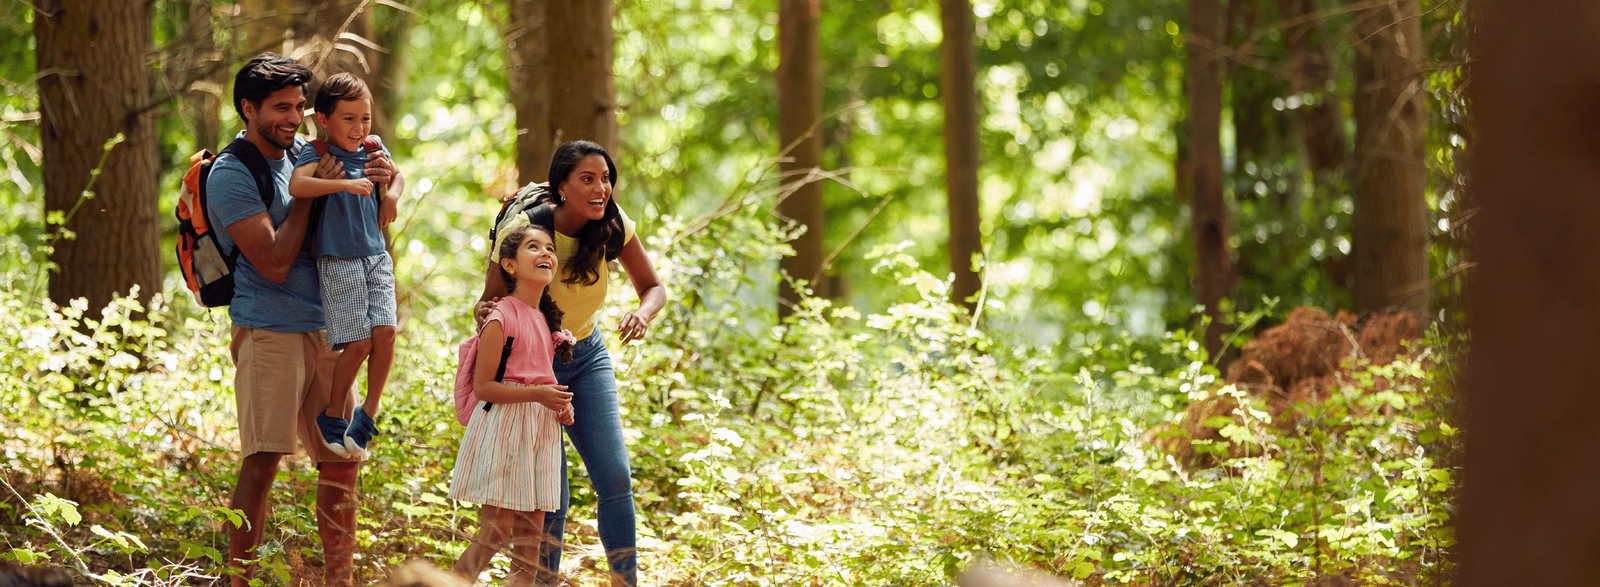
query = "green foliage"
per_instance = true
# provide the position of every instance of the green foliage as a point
(839, 447)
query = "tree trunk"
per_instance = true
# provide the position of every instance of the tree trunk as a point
(1528, 514)
(1207, 209)
(93, 84)
(1389, 229)
(799, 109)
(1310, 75)
(315, 40)
(583, 94)
(528, 71)
(394, 34)
(957, 71)
(203, 74)
(263, 24)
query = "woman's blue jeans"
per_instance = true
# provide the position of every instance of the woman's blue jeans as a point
(597, 434)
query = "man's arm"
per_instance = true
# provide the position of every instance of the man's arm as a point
(272, 250)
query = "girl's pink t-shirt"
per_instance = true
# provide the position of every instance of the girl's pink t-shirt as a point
(533, 352)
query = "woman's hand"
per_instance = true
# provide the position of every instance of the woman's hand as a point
(554, 397)
(480, 312)
(634, 325)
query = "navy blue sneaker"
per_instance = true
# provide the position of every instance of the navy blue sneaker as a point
(333, 431)
(360, 432)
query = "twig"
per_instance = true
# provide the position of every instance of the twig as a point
(828, 261)
(48, 527)
(326, 53)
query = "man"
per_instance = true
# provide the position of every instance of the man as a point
(284, 367)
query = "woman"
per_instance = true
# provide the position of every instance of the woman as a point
(586, 218)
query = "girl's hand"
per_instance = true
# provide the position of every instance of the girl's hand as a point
(633, 326)
(554, 397)
(565, 416)
(481, 311)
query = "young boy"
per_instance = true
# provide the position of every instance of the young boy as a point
(355, 270)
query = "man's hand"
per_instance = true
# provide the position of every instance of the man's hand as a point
(328, 168)
(380, 169)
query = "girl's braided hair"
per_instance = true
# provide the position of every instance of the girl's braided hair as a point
(547, 305)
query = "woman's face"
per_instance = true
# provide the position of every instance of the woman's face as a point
(587, 189)
(536, 259)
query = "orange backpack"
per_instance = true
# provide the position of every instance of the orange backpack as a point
(207, 269)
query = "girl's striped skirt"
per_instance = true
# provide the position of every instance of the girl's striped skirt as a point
(510, 457)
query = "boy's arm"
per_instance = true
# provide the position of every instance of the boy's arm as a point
(304, 183)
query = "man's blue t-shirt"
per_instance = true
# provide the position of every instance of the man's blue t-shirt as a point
(292, 306)
(349, 224)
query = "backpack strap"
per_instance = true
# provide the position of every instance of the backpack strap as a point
(247, 153)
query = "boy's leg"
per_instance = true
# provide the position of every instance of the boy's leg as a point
(344, 307)
(381, 316)
(345, 371)
(378, 370)
(250, 496)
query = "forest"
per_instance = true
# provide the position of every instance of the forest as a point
(1134, 292)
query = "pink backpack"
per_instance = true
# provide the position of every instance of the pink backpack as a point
(468, 354)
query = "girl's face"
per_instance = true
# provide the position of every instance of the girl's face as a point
(349, 124)
(588, 188)
(535, 261)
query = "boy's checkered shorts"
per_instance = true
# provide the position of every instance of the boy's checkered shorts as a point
(357, 296)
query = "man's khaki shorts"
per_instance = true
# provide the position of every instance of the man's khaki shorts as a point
(281, 381)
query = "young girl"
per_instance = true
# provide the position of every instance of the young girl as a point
(510, 457)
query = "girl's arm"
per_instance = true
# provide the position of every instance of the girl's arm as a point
(304, 184)
(652, 294)
(490, 343)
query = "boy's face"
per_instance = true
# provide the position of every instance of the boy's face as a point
(349, 124)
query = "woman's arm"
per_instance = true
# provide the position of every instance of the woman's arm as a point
(652, 294)
(494, 288)
(304, 184)
(490, 343)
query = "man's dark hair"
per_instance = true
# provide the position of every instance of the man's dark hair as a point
(267, 73)
(339, 86)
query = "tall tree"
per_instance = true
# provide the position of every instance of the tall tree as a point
(799, 110)
(1528, 513)
(1389, 229)
(583, 93)
(1310, 75)
(958, 70)
(93, 84)
(200, 74)
(527, 49)
(331, 36)
(1207, 210)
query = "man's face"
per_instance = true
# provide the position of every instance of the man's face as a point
(279, 116)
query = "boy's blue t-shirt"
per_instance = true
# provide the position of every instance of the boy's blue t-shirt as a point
(292, 306)
(349, 224)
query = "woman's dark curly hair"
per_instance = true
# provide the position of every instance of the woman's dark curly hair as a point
(547, 305)
(585, 265)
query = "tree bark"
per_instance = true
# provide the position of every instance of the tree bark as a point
(316, 41)
(583, 93)
(204, 77)
(93, 84)
(957, 74)
(1389, 229)
(1310, 75)
(528, 70)
(1528, 514)
(799, 110)
(394, 34)
(1207, 210)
